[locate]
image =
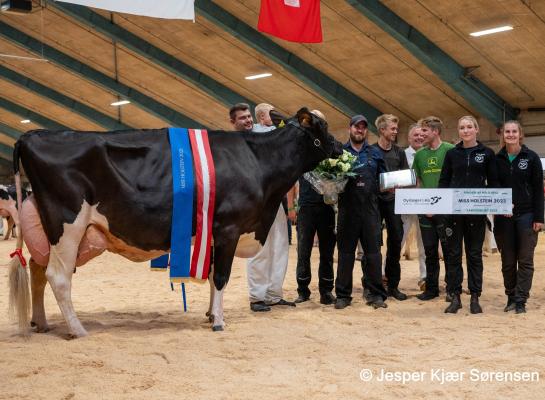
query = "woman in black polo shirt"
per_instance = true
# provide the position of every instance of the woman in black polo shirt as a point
(519, 168)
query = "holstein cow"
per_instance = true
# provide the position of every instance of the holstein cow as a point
(112, 191)
(8, 208)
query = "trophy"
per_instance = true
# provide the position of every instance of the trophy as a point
(394, 179)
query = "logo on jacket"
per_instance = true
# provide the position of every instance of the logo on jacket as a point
(523, 164)
(432, 162)
(479, 157)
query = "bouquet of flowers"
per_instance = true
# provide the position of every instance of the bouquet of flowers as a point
(330, 176)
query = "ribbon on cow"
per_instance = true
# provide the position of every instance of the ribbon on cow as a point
(185, 143)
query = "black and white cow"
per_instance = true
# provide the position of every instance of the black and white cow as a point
(113, 191)
(8, 208)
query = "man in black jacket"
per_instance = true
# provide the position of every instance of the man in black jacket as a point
(395, 159)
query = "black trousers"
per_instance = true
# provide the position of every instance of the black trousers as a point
(313, 219)
(516, 240)
(367, 229)
(433, 233)
(394, 230)
(468, 230)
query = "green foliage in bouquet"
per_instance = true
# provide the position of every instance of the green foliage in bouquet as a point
(338, 168)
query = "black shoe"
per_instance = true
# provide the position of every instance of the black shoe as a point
(520, 308)
(425, 296)
(366, 294)
(301, 299)
(327, 298)
(448, 298)
(396, 294)
(282, 302)
(342, 302)
(474, 306)
(377, 302)
(259, 306)
(511, 305)
(454, 305)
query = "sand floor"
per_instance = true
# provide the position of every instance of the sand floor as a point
(141, 345)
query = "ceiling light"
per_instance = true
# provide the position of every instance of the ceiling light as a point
(493, 30)
(120, 103)
(25, 121)
(258, 76)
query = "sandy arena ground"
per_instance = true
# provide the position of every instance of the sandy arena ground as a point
(142, 346)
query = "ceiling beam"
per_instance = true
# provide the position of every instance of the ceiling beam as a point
(9, 131)
(26, 113)
(147, 50)
(110, 84)
(79, 108)
(483, 99)
(342, 98)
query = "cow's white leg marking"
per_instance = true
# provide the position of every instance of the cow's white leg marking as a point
(212, 288)
(217, 310)
(37, 285)
(62, 260)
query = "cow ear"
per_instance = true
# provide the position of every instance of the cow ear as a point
(277, 118)
(305, 117)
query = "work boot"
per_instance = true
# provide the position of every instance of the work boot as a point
(259, 306)
(376, 302)
(396, 294)
(511, 304)
(474, 306)
(327, 298)
(520, 308)
(342, 302)
(454, 305)
(301, 299)
(425, 296)
(448, 297)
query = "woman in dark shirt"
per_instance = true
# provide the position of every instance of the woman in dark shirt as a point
(470, 164)
(519, 168)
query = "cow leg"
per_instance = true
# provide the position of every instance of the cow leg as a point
(37, 285)
(9, 232)
(223, 260)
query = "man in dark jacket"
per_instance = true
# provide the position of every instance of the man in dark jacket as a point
(359, 220)
(395, 160)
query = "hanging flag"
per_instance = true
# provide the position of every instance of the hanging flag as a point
(169, 9)
(293, 20)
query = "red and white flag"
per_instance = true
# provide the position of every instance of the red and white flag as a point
(169, 9)
(292, 20)
(205, 182)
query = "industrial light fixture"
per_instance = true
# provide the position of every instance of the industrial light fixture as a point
(120, 103)
(258, 76)
(492, 30)
(25, 121)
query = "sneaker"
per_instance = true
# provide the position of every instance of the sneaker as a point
(396, 294)
(259, 306)
(425, 296)
(327, 298)
(342, 302)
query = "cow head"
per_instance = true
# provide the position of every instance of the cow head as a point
(317, 140)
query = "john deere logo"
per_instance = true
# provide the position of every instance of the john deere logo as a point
(432, 162)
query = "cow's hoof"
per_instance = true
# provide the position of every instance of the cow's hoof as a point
(78, 335)
(217, 328)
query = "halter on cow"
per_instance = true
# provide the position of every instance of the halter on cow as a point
(112, 191)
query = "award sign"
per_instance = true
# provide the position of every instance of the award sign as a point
(394, 179)
(453, 201)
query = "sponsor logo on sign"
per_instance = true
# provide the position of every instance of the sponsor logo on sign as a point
(418, 201)
(523, 163)
(435, 199)
(479, 157)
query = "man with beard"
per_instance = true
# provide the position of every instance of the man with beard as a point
(267, 269)
(359, 220)
(395, 160)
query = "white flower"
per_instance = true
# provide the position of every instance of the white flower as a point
(345, 167)
(333, 161)
(345, 156)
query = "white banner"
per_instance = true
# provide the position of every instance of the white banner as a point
(453, 201)
(169, 9)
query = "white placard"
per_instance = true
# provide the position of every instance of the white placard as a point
(453, 201)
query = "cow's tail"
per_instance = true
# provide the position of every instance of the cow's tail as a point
(19, 293)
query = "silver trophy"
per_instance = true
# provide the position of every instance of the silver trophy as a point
(395, 179)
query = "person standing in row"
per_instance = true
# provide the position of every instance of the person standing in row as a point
(359, 219)
(519, 168)
(415, 140)
(469, 165)
(314, 217)
(395, 160)
(427, 165)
